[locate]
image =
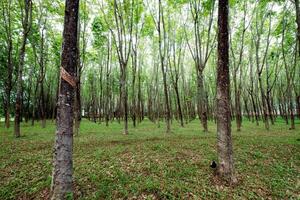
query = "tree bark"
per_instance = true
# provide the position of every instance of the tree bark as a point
(63, 149)
(225, 151)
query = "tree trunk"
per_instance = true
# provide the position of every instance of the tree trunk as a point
(297, 95)
(264, 104)
(101, 99)
(269, 106)
(63, 149)
(134, 66)
(225, 151)
(298, 23)
(8, 87)
(10, 67)
(289, 78)
(202, 102)
(77, 106)
(238, 111)
(247, 109)
(108, 93)
(298, 106)
(179, 105)
(26, 28)
(42, 75)
(292, 114)
(163, 66)
(139, 107)
(43, 114)
(124, 98)
(123, 43)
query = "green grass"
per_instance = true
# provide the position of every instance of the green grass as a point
(148, 164)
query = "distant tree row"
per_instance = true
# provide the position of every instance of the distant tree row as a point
(151, 59)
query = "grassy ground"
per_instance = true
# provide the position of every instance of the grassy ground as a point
(147, 164)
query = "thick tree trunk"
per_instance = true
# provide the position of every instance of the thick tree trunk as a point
(63, 149)
(26, 28)
(225, 151)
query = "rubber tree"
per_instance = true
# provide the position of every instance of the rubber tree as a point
(202, 49)
(7, 23)
(224, 144)
(26, 25)
(61, 187)
(122, 39)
